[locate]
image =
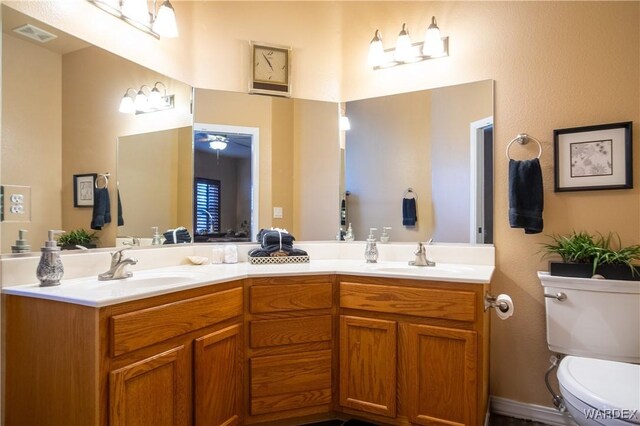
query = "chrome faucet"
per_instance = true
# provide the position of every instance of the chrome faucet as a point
(118, 265)
(134, 242)
(421, 256)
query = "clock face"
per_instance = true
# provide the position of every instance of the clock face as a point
(270, 65)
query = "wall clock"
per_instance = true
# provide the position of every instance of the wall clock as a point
(270, 69)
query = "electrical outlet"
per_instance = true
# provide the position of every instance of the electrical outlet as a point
(16, 203)
(277, 212)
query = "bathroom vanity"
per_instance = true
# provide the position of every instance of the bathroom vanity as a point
(257, 345)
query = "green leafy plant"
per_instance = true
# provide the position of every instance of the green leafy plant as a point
(581, 247)
(79, 237)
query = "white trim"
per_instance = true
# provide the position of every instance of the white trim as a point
(474, 133)
(538, 413)
(255, 163)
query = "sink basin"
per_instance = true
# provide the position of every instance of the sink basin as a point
(143, 279)
(426, 270)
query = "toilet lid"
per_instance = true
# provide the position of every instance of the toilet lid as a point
(606, 385)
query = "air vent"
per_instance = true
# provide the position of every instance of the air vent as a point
(35, 33)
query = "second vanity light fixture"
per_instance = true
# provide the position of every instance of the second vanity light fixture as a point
(158, 22)
(405, 52)
(142, 102)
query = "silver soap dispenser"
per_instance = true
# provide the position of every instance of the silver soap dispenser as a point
(50, 269)
(22, 245)
(371, 250)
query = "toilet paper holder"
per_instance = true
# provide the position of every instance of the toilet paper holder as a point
(492, 302)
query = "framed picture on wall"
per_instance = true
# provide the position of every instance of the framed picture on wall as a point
(83, 189)
(593, 157)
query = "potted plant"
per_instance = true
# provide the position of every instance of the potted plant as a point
(585, 255)
(78, 237)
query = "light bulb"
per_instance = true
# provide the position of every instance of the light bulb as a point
(376, 51)
(141, 102)
(155, 98)
(218, 144)
(403, 46)
(433, 45)
(344, 123)
(126, 105)
(165, 23)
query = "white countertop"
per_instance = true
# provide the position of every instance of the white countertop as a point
(152, 282)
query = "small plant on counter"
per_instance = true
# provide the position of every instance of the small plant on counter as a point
(599, 252)
(78, 237)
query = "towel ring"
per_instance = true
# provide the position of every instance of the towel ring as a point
(523, 139)
(104, 176)
(410, 191)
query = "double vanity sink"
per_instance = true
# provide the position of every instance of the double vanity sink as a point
(90, 291)
(247, 344)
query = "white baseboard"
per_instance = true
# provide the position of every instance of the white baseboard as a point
(538, 413)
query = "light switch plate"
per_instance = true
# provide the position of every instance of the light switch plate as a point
(16, 203)
(277, 212)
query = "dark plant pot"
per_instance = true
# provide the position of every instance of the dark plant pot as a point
(72, 247)
(584, 270)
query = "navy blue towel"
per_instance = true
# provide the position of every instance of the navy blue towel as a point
(101, 208)
(409, 214)
(526, 195)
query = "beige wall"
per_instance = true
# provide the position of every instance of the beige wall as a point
(32, 135)
(148, 175)
(555, 65)
(453, 109)
(316, 170)
(388, 150)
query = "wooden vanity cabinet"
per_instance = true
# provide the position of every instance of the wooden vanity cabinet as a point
(174, 359)
(413, 352)
(290, 331)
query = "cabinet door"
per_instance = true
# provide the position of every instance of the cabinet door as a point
(153, 391)
(368, 365)
(441, 375)
(218, 378)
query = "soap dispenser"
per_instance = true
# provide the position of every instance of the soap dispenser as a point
(21, 243)
(50, 269)
(349, 236)
(371, 250)
(157, 240)
(384, 237)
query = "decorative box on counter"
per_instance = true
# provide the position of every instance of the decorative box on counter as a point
(276, 260)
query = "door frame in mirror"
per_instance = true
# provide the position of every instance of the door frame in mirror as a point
(476, 172)
(255, 164)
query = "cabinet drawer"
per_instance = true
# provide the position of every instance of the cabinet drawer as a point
(290, 331)
(419, 302)
(290, 297)
(142, 328)
(290, 381)
(273, 375)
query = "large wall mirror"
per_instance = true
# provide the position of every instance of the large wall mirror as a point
(432, 147)
(60, 118)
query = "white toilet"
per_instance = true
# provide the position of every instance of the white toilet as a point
(597, 324)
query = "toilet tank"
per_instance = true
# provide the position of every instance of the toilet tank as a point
(598, 318)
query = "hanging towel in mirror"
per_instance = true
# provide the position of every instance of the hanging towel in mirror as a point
(101, 208)
(409, 213)
(526, 196)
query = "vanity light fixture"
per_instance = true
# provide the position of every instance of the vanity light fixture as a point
(158, 22)
(405, 52)
(146, 100)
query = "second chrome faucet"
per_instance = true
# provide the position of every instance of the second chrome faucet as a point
(118, 270)
(421, 256)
